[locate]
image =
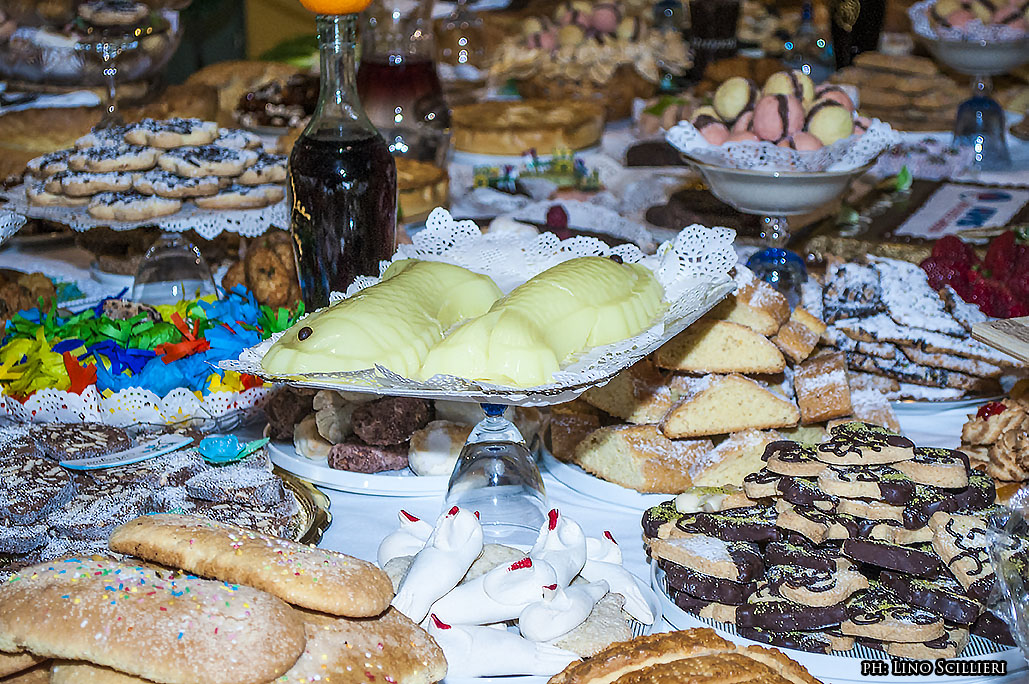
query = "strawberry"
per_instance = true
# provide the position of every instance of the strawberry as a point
(557, 217)
(950, 249)
(1001, 255)
(942, 273)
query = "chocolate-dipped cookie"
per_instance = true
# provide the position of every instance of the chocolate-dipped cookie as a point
(762, 484)
(911, 560)
(823, 557)
(659, 521)
(754, 524)
(858, 443)
(812, 642)
(736, 561)
(878, 613)
(781, 615)
(793, 458)
(941, 595)
(701, 608)
(945, 468)
(991, 627)
(705, 587)
(867, 482)
(811, 587)
(805, 492)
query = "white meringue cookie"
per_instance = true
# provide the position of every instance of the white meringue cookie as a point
(501, 594)
(561, 543)
(407, 540)
(453, 546)
(603, 549)
(621, 582)
(560, 611)
(474, 651)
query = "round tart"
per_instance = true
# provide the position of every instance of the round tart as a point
(511, 128)
(421, 187)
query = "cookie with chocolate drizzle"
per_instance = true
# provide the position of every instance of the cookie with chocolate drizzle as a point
(911, 560)
(945, 468)
(754, 524)
(822, 641)
(812, 587)
(858, 443)
(941, 595)
(705, 587)
(878, 613)
(884, 483)
(793, 458)
(765, 610)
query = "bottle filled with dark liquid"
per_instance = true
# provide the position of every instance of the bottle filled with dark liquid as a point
(342, 186)
(398, 81)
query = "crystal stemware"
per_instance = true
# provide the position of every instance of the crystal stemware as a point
(172, 270)
(108, 47)
(496, 475)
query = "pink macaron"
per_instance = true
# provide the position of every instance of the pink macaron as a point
(802, 142)
(835, 93)
(777, 116)
(958, 19)
(713, 130)
(605, 17)
(744, 123)
(543, 40)
(861, 124)
(742, 136)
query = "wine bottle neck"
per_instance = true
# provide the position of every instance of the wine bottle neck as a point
(339, 112)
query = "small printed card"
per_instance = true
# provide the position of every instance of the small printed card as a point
(955, 208)
(148, 448)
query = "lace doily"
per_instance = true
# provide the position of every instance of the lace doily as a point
(596, 218)
(208, 223)
(216, 411)
(848, 154)
(693, 269)
(974, 31)
(10, 223)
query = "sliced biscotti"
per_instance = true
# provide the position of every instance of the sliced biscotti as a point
(755, 304)
(305, 576)
(571, 423)
(638, 395)
(799, 336)
(640, 457)
(716, 346)
(822, 388)
(720, 404)
(737, 456)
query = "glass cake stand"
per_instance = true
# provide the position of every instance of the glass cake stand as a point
(980, 120)
(775, 196)
(497, 477)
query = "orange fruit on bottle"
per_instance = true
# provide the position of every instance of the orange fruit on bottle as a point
(335, 6)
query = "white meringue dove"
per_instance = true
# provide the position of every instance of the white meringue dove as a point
(407, 540)
(561, 543)
(474, 651)
(560, 610)
(451, 549)
(501, 594)
(603, 549)
(601, 566)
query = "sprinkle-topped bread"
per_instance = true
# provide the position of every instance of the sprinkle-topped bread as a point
(313, 578)
(163, 627)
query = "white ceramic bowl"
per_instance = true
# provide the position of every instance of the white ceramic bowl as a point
(775, 193)
(980, 57)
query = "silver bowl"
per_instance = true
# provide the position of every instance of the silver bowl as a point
(980, 57)
(775, 193)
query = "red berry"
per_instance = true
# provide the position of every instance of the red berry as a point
(951, 249)
(1001, 256)
(557, 217)
(994, 408)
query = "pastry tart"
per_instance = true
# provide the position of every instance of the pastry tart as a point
(511, 128)
(421, 187)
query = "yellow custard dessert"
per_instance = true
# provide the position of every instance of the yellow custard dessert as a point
(525, 337)
(393, 323)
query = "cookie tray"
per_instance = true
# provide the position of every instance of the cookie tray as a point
(844, 667)
(309, 525)
(693, 270)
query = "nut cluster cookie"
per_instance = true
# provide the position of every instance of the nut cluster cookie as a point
(151, 168)
(865, 538)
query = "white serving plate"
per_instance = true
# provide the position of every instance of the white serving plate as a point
(845, 666)
(392, 483)
(577, 479)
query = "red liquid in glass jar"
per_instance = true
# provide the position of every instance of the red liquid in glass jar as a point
(404, 99)
(343, 199)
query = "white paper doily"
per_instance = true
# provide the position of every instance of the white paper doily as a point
(10, 223)
(848, 154)
(217, 410)
(975, 31)
(208, 223)
(693, 269)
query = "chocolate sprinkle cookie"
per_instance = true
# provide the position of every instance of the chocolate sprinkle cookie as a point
(63, 441)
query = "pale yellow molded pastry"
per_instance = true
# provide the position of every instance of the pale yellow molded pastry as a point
(527, 335)
(393, 323)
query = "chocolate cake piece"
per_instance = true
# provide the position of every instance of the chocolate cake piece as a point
(390, 420)
(61, 441)
(366, 458)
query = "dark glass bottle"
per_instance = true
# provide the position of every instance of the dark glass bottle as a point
(342, 186)
(856, 27)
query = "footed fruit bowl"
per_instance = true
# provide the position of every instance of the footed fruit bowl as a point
(973, 57)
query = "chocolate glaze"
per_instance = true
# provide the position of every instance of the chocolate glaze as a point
(895, 488)
(656, 516)
(786, 616)
(799, 577)
(817, 107)
(980, 493)
(992, 627)
(878, 604)
(755, 524)
(941, 595)
(801, 552)
(805, 493)
(892, 557)
(812, 642)
(704, 587)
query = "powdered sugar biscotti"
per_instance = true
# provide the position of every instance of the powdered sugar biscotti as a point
(172, 629)
(313, 578)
